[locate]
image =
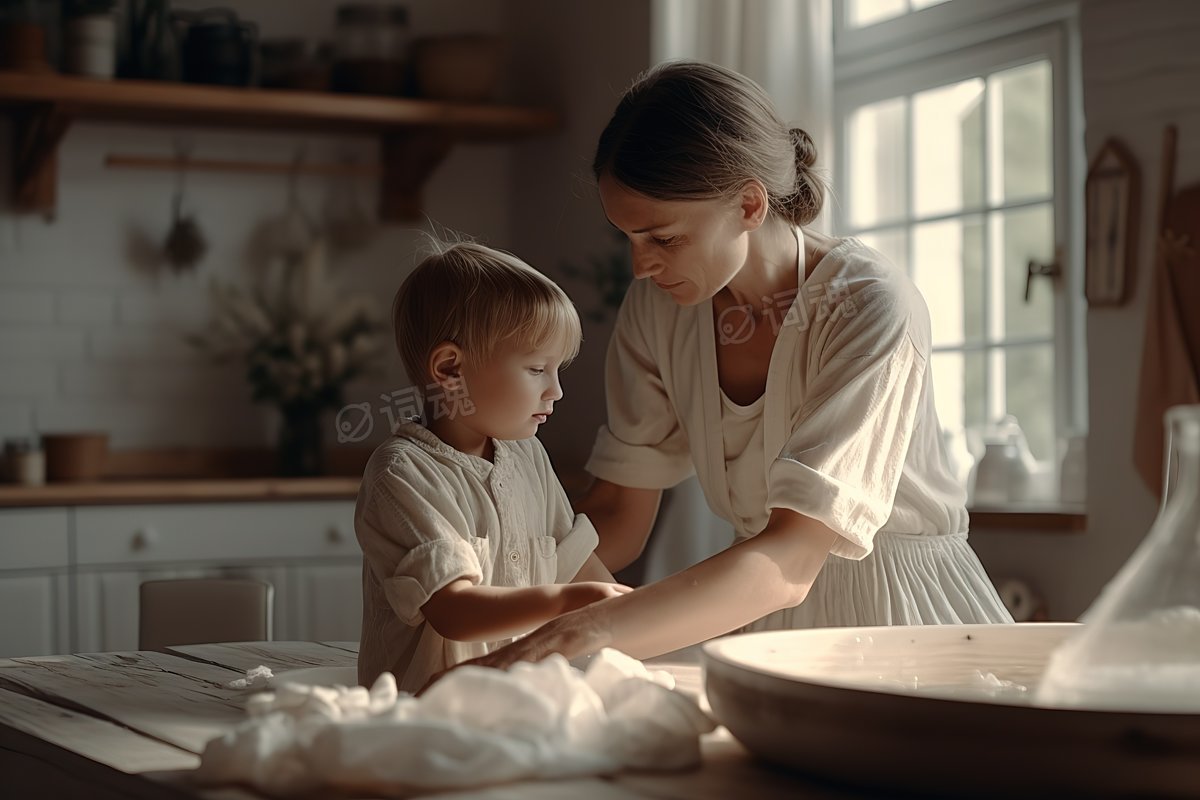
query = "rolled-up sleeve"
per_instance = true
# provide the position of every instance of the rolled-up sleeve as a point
(415, 540)
(575, 544)
(843, 461)
(643, 445)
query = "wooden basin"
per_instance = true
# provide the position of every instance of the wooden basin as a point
(909, 709)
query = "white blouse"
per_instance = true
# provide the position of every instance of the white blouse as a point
(427, 515)
(849, 435)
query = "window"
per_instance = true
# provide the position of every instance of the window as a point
(957, 166)
(860, 13)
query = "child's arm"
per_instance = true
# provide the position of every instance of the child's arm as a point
(467, 613)
(593, 570)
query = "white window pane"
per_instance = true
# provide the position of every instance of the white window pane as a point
(860, 13)
(1017, 237)
(1021, 122)
(948, 149)
(1029, 394)
(877, 136)
(893, 244)
(958, 389)
(926, 3)
(947, 267)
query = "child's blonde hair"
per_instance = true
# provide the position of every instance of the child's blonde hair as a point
(478, 298)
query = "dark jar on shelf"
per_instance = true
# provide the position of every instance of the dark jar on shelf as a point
(370, 49)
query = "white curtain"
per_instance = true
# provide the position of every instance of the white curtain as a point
(786, 46)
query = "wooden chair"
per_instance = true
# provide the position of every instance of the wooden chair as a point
(204, 610)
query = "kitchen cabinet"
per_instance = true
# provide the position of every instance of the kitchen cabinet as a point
(34, 582)
(327, 602)
(69, 577)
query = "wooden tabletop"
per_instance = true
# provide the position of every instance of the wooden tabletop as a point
(132, 725)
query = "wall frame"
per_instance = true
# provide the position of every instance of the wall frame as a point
(1112, 202)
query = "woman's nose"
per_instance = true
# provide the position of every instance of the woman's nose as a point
(644, 264)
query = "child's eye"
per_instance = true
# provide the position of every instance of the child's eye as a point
(536, 370)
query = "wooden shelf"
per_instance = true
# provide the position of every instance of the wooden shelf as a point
(416, 134)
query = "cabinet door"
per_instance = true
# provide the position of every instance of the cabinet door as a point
(327, 601)
(107, 601)
(34, 615)
(34, 587)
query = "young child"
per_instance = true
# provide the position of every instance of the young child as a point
(467, 535)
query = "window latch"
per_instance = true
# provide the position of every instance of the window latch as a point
(1037, 269)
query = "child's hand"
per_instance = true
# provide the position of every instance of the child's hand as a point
(584, 593)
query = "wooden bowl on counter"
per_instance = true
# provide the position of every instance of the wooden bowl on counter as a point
(75, 457)
(899, 710)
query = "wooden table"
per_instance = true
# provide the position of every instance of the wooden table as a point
(132, 725)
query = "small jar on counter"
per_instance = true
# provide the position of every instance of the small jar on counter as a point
(24, 462)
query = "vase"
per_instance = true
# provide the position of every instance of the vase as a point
(1139, 649)
(300, 453)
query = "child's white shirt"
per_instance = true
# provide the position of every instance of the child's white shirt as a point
(427, 515)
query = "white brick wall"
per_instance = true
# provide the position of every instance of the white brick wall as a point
(91, 332)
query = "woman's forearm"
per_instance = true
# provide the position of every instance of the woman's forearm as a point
(756, 577)
(774, 570)
(623, 517)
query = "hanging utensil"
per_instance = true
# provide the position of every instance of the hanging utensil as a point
(185, 243)
(292, 234)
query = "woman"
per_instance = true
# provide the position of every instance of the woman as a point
(788, 369)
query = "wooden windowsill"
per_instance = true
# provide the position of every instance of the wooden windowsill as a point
(1047, 518)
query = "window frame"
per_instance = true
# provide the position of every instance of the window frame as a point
(923, 57)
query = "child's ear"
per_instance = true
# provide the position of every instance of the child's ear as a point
(445, 363)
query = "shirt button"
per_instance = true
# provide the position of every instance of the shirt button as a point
(514, 556)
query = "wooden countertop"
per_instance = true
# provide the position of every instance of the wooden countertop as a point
(177, 490)
(133, 725)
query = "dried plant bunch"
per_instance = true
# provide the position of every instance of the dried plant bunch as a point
(300, 341)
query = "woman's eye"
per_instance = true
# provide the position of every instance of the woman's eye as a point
(667, 242)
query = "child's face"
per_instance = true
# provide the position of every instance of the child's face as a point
(513, 392)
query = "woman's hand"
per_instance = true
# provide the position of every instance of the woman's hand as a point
(576, 633)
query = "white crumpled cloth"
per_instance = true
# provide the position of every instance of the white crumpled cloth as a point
(476, 726)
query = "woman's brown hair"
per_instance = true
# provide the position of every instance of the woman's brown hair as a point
(688, 130)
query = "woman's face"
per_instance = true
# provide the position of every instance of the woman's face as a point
(690, 248)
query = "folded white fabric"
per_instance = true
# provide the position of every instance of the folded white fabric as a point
(474, 727)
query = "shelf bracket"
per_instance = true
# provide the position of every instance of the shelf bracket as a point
(409, 158)
(38, 130)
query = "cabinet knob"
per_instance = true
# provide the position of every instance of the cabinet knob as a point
(142, 539)
(334, 535)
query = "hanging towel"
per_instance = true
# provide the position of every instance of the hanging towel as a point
(1170, 373)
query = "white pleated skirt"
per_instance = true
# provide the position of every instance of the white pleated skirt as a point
(906, 580)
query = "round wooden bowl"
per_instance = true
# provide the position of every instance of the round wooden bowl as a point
(75, 456)
(903, 709)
